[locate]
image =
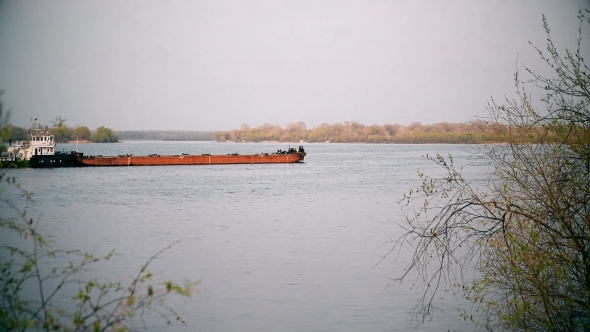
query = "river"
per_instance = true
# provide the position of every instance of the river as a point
(284, 247)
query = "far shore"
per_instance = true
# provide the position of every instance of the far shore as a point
(80, 141)
(84, 141)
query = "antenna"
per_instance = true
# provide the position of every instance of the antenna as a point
(36, 128)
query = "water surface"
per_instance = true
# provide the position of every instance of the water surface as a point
(283, 247)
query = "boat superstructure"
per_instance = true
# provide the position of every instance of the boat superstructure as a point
(38, 143)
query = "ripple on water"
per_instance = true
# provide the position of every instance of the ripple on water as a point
(277, 247)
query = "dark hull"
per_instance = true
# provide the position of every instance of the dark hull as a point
(57, 160)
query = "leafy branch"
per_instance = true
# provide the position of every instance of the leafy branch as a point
(99, 306)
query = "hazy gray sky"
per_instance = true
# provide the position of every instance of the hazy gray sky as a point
(207, 65)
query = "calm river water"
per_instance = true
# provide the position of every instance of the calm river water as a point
(288, 247)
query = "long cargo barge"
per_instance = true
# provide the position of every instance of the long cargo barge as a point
(76, 159)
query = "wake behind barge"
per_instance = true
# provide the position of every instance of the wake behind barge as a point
(77, 159)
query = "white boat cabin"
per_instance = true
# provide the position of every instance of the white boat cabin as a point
(36, 145)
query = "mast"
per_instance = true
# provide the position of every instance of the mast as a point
(35, 127)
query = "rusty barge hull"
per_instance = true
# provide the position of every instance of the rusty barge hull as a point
(190, 160)
(73, 159)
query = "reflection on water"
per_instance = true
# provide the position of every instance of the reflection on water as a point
(286, 247)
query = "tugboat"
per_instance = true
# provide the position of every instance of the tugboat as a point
(40, 144)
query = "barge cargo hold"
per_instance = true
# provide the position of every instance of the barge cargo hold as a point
(78, 159)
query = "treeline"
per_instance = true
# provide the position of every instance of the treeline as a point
(165, 135)
(474, 132)
(355, 132)
(63, 133)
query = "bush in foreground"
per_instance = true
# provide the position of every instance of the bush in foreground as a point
(99, 306)
(524, 234)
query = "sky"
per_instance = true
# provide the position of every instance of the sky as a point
(214, 65)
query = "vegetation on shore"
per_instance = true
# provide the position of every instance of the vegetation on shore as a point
(474, 132)
(165, 135)
(63, 133)
(516, 245)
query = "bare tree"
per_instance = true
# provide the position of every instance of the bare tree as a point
(517, 246)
